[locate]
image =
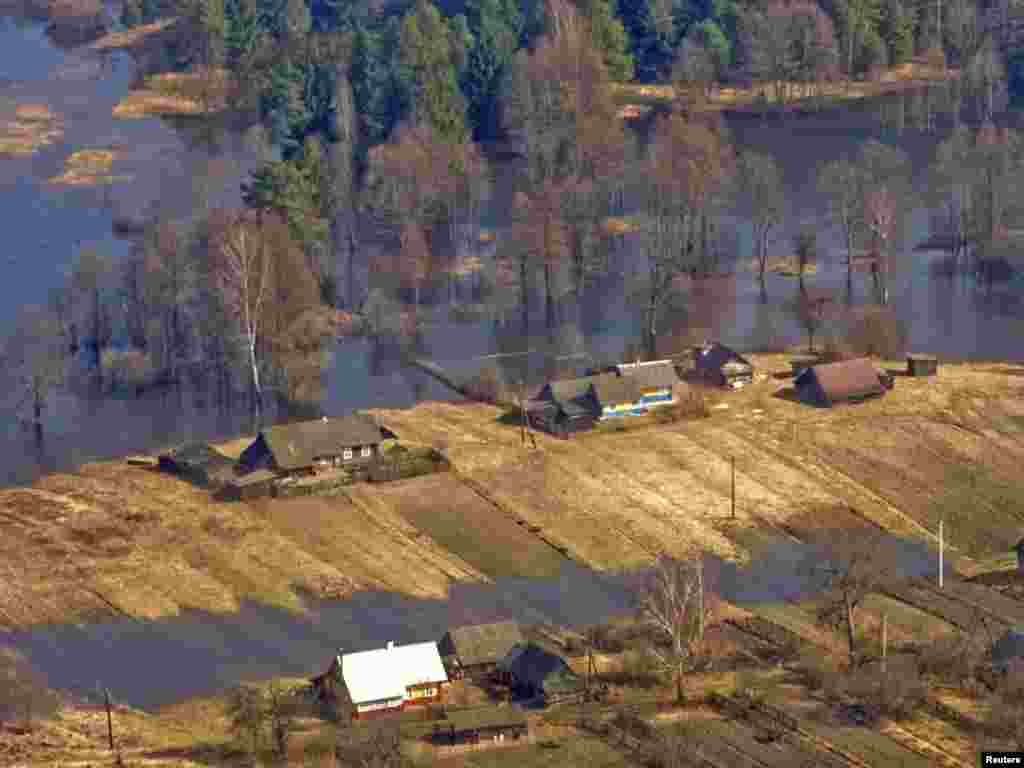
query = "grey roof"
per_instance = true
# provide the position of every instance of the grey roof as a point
(484, 643)
(844, 380)
(1009, 648)
(297, 445)
(612, 389)
(529, 664)
(660, 375)
(197, 455)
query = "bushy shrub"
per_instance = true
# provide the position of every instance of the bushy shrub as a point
(878, 332)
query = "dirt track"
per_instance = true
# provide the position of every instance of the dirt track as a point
(148, 544)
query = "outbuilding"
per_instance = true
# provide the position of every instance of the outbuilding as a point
(721, 366)
(658, 382)
(480, 725)
(475, 650)
(307, 447)
(1008, 651)
(922, 365)
(534, 673)
(1020, 557)
(846, 381)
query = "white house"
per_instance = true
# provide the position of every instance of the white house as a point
(390, 678)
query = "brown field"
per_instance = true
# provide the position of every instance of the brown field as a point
(149, 544)
(130, 38)
(176, 93)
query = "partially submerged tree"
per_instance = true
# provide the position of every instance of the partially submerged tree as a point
(33, 359)
(759, 187)
(842, 184)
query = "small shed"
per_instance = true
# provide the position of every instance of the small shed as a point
(1008, 650)
(657, 379)
(480, 725)
(535, 673)
(476, 650)
(922, 365)
(721, 366)
(1020, 557)
(846, 381)
(199, 463)
(253, 485)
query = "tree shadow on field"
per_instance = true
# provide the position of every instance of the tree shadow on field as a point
(789, 394)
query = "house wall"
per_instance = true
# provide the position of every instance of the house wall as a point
(622, 409)
(657, 397)
(425, 694)
(374, 708)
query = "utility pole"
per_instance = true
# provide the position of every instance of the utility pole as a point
(700, 593)
(732, 461)
(110, 722)
(941, 546)
(885, 640)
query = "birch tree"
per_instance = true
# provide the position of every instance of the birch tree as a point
(673, 604)
(841, 182)
(760, 190)
(244, 278)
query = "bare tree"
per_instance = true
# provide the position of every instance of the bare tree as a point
(34, 362)
(811, 307)
(673, 603)
(842, 183)
(759, 185)
(23, 692)
(849, 565)
(683, 170)
(244, 269)
(247, 715)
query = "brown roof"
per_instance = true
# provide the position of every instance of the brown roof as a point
(612, 389)
(297, 445)
(659, 375)
(484, 643)
(847, 379)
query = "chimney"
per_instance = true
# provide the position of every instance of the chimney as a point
(391, 645)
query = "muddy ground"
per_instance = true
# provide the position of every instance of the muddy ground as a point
(119, 538)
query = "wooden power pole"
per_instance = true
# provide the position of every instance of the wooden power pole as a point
(732, 461)
(885, 640)
(941, 553)
(110, 722)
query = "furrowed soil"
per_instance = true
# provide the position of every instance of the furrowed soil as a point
(114, 537)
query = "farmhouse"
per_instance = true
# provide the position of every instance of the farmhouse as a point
(658, 382)
(310, 446)
(199, 463)
(533, 672)
(481, 725)
(720, 366)
(832, 383)
(476, 650)
(387, 679)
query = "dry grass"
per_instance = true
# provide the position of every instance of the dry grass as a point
(31, 128)
(786, 266)
(88, 167)
(133, 37)
(150, 544)
(176, 93)
(635, 96)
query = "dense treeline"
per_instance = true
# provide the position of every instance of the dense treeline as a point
(379, 116)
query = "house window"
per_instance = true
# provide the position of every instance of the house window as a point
(347, 454)
(366, 452)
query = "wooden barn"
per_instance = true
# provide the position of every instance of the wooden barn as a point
(199, 463)
(832, 383)
(922, 365)
(1020, 557)
(720, 366)
(535, 673)
(616, 396)
(306, 447)
(481, 725)
(475, 650)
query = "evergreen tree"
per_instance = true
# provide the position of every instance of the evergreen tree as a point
(651, 38)
(429, 74)
(609, 36)
(896, 27)
(495, 27)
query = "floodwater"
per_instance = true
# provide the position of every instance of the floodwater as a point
(45, 226)
(149, 664)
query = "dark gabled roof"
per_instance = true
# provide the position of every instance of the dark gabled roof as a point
(565, 390)
(844, 380)
(716, 355)
(659, 375)
(1009, 648)
(531, 665)
(612, 389)
(484, 643)
(297, 445)
(197, 455)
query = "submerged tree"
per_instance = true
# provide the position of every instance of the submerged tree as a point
(759, 187)
(33, 358)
